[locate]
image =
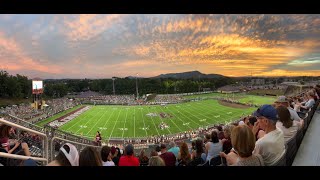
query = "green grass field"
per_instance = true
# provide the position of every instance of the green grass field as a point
(132, 121)
(258, 100)
(129, 121)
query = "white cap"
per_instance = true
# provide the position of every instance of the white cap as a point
(72, 156)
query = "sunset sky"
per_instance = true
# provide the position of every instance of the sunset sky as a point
(102, 46)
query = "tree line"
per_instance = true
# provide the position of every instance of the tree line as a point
(59, 88)
(17, 86)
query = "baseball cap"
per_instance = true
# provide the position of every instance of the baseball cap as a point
(281, 99)
(267, 111)
(72, 156)
(30, 162)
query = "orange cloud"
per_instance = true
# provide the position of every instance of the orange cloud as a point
(18, 60)
(87, 26)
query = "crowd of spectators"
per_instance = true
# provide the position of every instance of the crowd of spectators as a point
(110, 99)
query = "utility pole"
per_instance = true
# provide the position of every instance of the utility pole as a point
(137, 85)
(114, 91)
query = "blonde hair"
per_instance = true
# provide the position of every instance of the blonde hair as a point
(156, 161)
(228, 129)
(243, 140)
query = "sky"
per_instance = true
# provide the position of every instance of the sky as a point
(103, 46)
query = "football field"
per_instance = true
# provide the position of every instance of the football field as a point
(142, 121)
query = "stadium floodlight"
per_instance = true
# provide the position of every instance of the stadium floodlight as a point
(137, 85)
(114, 91)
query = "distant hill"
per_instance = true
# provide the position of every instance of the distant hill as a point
(189, 75)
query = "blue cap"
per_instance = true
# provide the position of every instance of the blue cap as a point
(267, 111)
(30, 162)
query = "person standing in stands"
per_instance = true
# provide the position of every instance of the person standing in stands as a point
(106, 156)
(128, 159)
(168, 157)
(89, 156)
(98, 138)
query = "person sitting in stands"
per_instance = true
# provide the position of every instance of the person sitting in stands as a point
(156, 161)
(168, 157)
(258, 132)
(128, 159)
(271, 145)
(304, 107)
(184, 157)
(68, 156)
(214, 147)
(5, 132)
(282, 101)
(227, 140)
(198, 156)
(243, 142)
(89, 156)
(174, 149)
(144, 160)
(106, 156)
(287, 126)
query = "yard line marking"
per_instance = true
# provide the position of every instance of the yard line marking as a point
(81, 119)
(143, 121)
(96, 122)
(114, 124)
(154, 123)
(88, 121)
(125, 122)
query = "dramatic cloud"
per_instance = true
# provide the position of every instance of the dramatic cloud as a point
(102, 46)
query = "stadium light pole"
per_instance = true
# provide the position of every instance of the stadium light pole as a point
(114, 91)
(137, 85)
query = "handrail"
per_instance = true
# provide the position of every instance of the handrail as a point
(45, 138)
(21, 157)
(32, 126)
(73, 142)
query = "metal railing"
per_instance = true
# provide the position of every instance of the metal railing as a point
(78, 145)
(24, 123)
(44, 144)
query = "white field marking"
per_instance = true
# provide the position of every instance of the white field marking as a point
(104, 126)
(134, 122)
(154, 123)
(173, 121)
(81, 120)
(143, 120)
(187, 123)
(234, 117)
(193, 116)
(123, 129)
(88, 121)
(187, 118)
(125, 121)
(78, 120)
(96, 122)
(114, 125)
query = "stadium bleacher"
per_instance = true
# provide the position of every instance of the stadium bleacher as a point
(41, 138)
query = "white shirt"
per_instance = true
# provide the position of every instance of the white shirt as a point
(293, 114)
(288, 133)
(108, 163)
(310, 103)
(270, 147)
